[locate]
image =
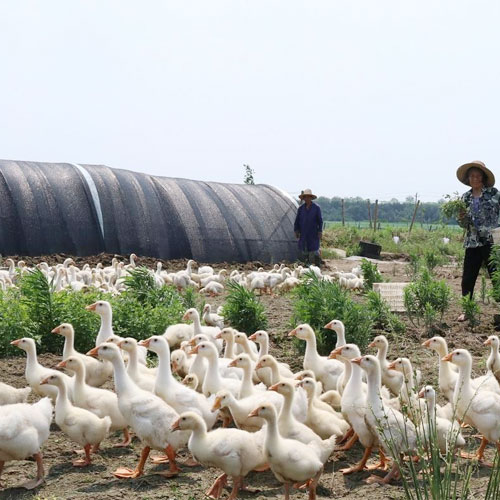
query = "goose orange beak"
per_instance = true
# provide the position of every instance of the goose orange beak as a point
(175, 426)
(217, 404)
(232, 364)
(185, 317)
(372, 344)
(391, 366)
(293, 333)
(91, 307)
(335, 353)
(273, 387)
(144, 343)
(191, 342)
(427, 343)
(448, 357)
(258, 365)
(253, 337)
(328, 326)
(15, 342)
(62, 364)
(175, 366)
(356, 360)
(219, 335)
(194, 350)
(254, 413)
(421, 393)
(57, 329)
(94, 352)
(44, 381)
(487, 342)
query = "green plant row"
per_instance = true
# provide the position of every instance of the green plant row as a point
(33, 310)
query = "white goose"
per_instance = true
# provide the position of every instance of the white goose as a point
(392, 379)
(291, 461)
(100, 402)
(96, 372)
(104, 310)
(396, 434)
(480, 409)
(79, 424)
(143, 376)
(493, 363)
(175, 394)
(35, 372)
(147, 414)
(447, 433)
(234, 451)
(10, 395)
(327, 371)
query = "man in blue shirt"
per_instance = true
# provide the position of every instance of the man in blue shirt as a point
(308, 228)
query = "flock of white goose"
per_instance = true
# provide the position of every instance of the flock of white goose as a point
(270, 416)
(205, 279)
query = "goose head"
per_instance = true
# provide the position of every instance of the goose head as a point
(101, 307)
(187, 421)
(241, 361)
(190, 315)
(55, 379)
(226, 334)
(335, 325)
(265, 411)
(265, 361)
(379, 342)
(157, 344)
(197, 339)
(368, 363)
(222, 400)
(401, 365)
(348, 351)
(191, 380)
(309, 385)
(105, 351)
(302, 332)
(428, 393)
(25, 343)
(283, 388)
(437, 344)
(72, 363)
(492, 341)
(459, 357)
(260, 336)
(65, 329)
(205, 349)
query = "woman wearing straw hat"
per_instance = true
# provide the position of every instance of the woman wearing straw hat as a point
(479, 218)
(308, 228)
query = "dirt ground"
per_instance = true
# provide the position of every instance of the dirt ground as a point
(64, 481)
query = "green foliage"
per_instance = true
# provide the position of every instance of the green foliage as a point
(71, 309)
(248, 179)
(144, 309)
(426, 300)
(190, 298)
(370, 274)
(381, 314)
(432, 259)
(36, 295)
(243, 310)
(453, 206)
(141, 284)
(15, 321)
(471, 310)
(318, 301)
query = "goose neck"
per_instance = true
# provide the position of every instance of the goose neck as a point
(123, 382)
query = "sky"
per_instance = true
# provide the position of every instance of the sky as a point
(378, 99)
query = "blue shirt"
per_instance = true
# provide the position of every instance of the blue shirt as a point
(309, 223)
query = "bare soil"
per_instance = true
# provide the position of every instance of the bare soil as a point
(65, 481)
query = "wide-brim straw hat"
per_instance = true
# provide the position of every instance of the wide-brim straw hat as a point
(463, 176)
(307, 192)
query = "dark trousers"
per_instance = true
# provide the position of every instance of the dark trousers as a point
(474, 259)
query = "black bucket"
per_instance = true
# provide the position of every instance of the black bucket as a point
(370, 250)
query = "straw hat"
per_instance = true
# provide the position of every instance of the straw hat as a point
(308, 192)
(463, 176)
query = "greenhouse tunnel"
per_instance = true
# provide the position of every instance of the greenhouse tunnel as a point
(84, 210)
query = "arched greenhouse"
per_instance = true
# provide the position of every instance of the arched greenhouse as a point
(87, 209)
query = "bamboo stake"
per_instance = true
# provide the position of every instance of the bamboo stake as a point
(414, 215)
(343, 212)
(375, 215)
(369, 214)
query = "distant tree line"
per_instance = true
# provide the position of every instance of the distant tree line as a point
(356, 209)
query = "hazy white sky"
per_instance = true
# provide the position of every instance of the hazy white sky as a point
(377, 99)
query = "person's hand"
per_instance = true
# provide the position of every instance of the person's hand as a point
(461, 214)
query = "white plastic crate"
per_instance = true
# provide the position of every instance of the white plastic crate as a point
(393, 294)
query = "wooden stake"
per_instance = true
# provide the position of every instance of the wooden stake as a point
(369, 214)
(414, 215)
(343, 212)
(375, 215)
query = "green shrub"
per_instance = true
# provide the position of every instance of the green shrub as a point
(243, 310)
(15, 322)
(471, 310)
(318, 301)
(426, 300)
(370, 274)
(381, 314)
